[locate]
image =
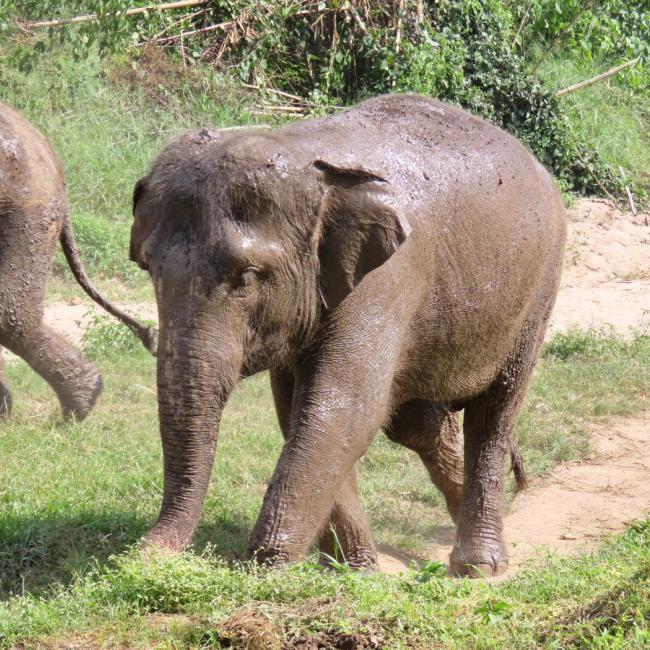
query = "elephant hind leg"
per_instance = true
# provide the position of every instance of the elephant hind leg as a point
(5, 393)
(488, 421)
(76, 382)
(29, 240)
(346, 535)
(433, 432)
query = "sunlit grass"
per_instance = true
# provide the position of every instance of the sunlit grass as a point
(73, 494)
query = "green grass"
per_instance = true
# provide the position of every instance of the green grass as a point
(611, 117)
(74, 494)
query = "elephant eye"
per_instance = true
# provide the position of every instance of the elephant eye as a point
(248, 276)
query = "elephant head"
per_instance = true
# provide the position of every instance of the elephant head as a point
(251, 243)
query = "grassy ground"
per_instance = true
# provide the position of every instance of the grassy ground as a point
(72, 495)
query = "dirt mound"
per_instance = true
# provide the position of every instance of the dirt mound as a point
(576, 505)
(606, 274)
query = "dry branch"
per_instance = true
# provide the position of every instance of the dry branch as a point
(129, 12)
(194, 32)
(298, 102)
(597, 78)
(275, 91)
(628, 191)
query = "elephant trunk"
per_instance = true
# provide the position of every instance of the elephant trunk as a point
(197, 370)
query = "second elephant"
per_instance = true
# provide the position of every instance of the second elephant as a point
(34, 215)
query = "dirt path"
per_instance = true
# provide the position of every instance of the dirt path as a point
(576, 505)
(606, 273)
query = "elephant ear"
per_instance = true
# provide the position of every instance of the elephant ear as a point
(143, 224)
(361, 227)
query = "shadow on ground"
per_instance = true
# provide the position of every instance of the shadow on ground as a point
(41, 553)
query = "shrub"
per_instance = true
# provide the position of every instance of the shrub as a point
(105, 337)
(337, 52)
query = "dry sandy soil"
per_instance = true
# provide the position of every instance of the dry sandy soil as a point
(606, 281)
(575, 506)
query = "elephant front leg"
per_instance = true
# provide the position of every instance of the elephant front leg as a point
(336, 413)
(346, 535)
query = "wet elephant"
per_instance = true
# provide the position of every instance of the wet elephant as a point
(390, 265)
(34, 215)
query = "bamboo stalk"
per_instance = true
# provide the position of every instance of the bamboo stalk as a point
(129, 12)
(597, 78)
(209, 28)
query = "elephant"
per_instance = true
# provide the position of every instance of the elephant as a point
(390, 265)
(34, 214)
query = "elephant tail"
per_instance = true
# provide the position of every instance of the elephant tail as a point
(517, 467)
(148, 335)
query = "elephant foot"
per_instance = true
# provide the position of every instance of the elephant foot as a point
(5, 401)
(359, 560)
(164, 539)
(81, 403)
(267, 555)
(474, 561)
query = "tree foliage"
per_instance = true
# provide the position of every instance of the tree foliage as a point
(479, 54)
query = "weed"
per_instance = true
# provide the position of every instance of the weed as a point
(105, 337)
(576, 342)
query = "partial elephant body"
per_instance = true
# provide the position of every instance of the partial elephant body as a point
(33, 217)
(391, 265)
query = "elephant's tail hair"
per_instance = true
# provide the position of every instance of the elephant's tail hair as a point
(517, 467)
(148, 335)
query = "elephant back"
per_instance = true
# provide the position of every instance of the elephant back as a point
(30, 171)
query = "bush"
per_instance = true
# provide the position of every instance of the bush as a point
(337, 52)
(105, 337)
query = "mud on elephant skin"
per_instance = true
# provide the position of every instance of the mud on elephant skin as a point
(390, 265)
(34, 214)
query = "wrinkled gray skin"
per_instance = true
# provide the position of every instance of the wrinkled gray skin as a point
(390, 265)
(34, 214)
